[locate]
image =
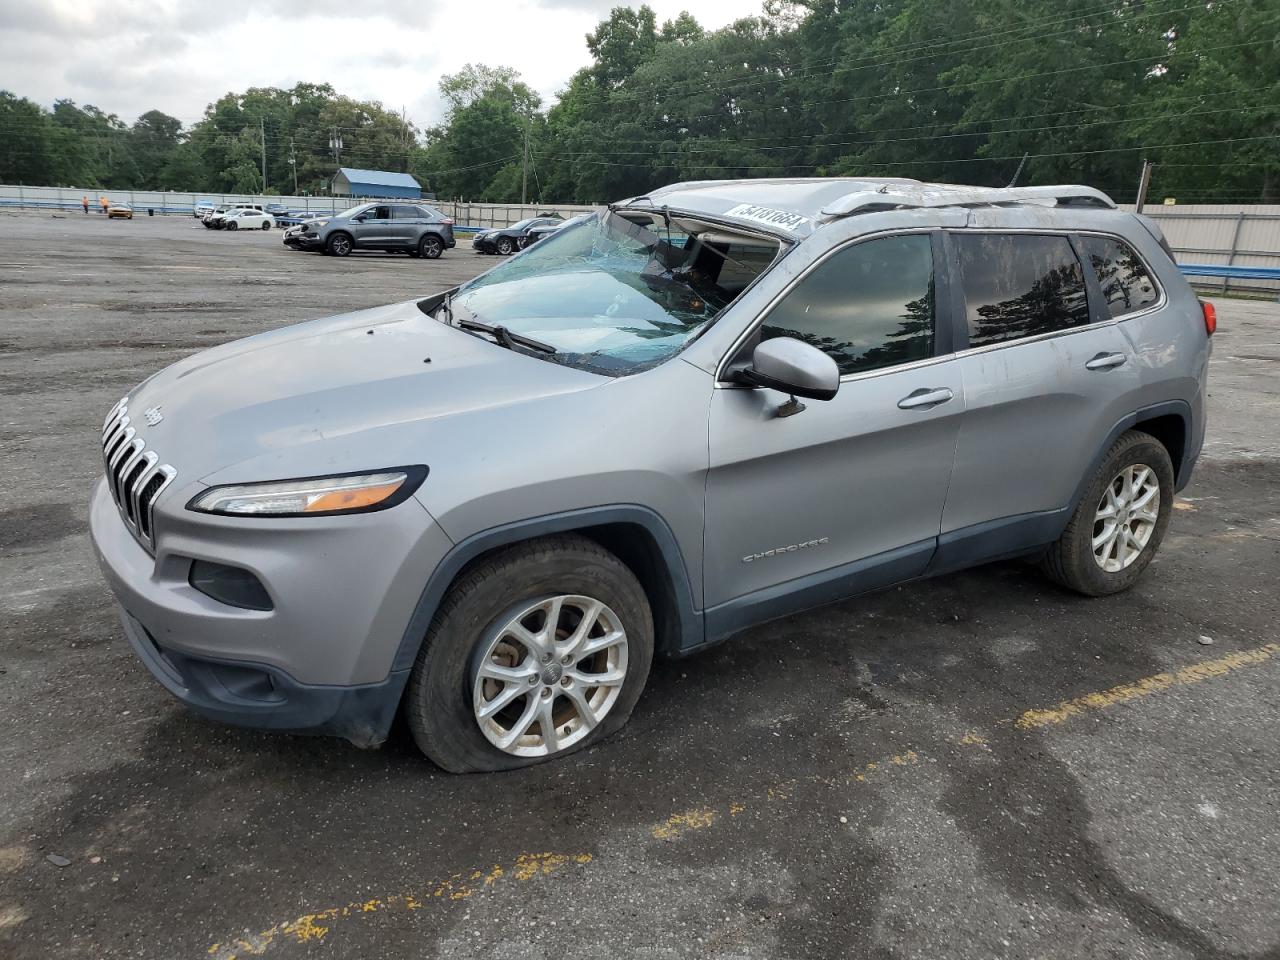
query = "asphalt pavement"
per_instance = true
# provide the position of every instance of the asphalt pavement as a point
(976, 766)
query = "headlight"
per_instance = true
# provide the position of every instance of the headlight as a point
(310, 496)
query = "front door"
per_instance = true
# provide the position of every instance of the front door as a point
(374, 228)
(847, 494)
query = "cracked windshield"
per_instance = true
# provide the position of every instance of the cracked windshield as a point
(614, 296)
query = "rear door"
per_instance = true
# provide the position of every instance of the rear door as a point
(1047, 375)
(407, 222)
(847, 494)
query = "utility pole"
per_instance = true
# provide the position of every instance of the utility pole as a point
(335, 144)
(1143, 183)
(262, 137)
(293, 162)
(524, 176)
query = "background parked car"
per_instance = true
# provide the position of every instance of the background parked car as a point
(216, 220)
(276, 209)
(119, 211)
(413, 228)
(538, 233)
(515, 237)
(247, 219)
(203, 208)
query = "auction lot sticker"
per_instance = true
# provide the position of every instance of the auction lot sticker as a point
(767, 215)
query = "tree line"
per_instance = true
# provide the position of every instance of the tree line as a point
(973, 91)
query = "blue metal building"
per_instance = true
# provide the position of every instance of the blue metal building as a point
(350, 182)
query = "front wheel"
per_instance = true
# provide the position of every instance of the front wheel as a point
(505, 246)
(339, 245)
(1120, 521)
(233, 226)
(539, 651)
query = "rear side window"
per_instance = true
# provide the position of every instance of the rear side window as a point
(1019, 285)
(404, 212)
(870, 305)
(1126, 284)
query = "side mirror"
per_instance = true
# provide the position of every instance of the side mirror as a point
(795, 367)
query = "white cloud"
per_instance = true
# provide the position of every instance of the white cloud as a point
(130, 56)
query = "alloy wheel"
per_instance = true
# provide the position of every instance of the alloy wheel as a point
(549, 675)
(1126, 517)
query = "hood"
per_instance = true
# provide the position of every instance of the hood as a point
(343, 383)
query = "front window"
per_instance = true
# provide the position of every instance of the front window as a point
(351, 212)
(616, 296)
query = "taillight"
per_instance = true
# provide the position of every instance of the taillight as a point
(1210, 317)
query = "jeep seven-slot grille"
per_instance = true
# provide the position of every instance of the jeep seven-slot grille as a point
(135, 475)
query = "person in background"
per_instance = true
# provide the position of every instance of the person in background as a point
(84, 201)
(105, 203)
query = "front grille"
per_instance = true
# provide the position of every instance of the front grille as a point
(135, 475)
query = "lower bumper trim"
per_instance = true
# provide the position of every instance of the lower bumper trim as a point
(265, 697)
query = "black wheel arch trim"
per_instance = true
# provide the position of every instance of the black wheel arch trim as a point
(689, 622)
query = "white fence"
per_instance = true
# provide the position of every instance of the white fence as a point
(1227, 234)
(168, 203)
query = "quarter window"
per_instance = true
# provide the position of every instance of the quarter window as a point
(1019, 285)
(1125, 283)
(870, 305)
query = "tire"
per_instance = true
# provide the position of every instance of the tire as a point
(233, 225)
(430, 247)
(339, 245)
(441, 700)
(1071, 560)
(266, 224)
(505, 246)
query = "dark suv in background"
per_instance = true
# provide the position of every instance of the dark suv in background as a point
(413, 228)
(507, 240)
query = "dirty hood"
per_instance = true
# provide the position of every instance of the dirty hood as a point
(308, 394)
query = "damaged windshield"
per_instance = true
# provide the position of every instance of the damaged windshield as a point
(612, 295)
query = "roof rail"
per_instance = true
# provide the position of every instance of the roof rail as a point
(936, 195)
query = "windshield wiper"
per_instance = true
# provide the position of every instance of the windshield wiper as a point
(504, 336)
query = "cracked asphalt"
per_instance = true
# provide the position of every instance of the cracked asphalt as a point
(977, 766)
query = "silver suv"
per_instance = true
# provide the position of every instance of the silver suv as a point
(413, 228)
(709, 407)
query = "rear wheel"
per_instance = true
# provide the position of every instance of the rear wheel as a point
(339, 245)
(430, 247)
(1120, 521)
(535, 653)
(266, 224)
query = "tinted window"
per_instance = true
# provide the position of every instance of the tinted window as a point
(1125, 283)
(401, 212)
(1017, 286)
(870, 305)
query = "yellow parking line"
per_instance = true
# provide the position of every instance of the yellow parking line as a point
(315, 926)
(1146, 687)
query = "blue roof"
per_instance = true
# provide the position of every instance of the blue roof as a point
(379, 178)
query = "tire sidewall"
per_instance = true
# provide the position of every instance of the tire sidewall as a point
(509, 247)
(441, 688)
(332, 248)
(1134, 448)
(430, 248)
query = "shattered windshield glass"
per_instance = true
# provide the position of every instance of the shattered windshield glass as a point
(611, 295)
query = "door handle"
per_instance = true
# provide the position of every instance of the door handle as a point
(1105, 361)
(925, 397)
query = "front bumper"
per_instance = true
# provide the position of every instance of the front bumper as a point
(303, 241)
(320, 661)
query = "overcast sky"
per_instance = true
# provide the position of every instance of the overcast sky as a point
(129, 56)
